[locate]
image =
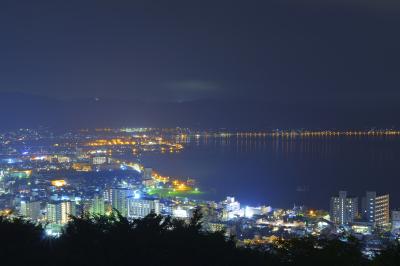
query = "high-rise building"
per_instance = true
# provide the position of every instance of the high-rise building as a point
(51, 213)
(97, 206)
(395, 221)
(68, 208)
(147, 173)
(343, 209)
(31, 210)
(118, 197)
(143, 207)
(231, 204)
(375, 209)
(60, 212)
(107, 195)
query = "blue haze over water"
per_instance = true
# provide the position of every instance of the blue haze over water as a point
(284, 171)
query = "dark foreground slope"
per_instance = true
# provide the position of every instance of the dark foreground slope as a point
(155, 240)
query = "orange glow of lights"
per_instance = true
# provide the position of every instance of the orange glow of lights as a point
(58, 183)
(180, 186)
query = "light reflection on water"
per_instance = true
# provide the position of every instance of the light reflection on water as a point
(284, 171)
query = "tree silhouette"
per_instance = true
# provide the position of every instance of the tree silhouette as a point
(389, 256)
(20, 241)
(157, 240)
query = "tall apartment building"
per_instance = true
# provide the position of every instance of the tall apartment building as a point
(143, 207)
(118, 199)
(375, 209)
(343, 209)
(60, 212)
(97, 206)
(31, 210)
(147, 173)
(396, 221)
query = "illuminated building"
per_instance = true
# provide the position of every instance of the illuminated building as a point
(58, 183)
(343, 210)
(97, 206)
(215, 227)
(396, 221)
(20, 174)
(180, 212)
(63, 159)
(84, 167)
(31, 209)
(143, 207)
(249, 212)
(51, 213)
(2, 182)
(107, 195)
(149, 182)
(68, 208)
(231, 205)
(118, 198)
(364, 228)
(147, 173)
(60, 212)
(375, 209)
(231, 209)
(99, 160)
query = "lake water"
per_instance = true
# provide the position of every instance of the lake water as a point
(284, 171)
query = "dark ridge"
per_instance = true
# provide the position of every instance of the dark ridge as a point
(23, 110)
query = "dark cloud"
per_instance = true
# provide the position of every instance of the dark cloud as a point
(192, 89)
(375, 4)
(283, 50)
(194, 85)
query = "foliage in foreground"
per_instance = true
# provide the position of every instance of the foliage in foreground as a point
(156, 240)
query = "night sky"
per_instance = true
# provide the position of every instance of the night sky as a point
(187, 50)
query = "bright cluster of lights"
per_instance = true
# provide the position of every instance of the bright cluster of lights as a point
(111, 142)
(58, 183)
(180, 186)
(135, 166)
(160, 178)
